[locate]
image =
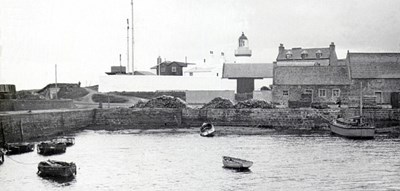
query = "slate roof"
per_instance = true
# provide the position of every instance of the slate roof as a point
(311, 75)
(247, 70)
(374, 65)
(167, 63)
(296, 54)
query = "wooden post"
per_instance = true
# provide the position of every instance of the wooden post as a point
(3, 134)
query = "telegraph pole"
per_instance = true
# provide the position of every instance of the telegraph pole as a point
(133, 58)
(56, 81)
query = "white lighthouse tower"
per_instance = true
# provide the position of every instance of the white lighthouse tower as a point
(243, 52)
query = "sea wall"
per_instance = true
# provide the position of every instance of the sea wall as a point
(18, 105)
(23, 126)
(19, 126)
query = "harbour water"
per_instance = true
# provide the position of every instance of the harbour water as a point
(161, 160)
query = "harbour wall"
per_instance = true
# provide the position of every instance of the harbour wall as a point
(23, 126)
(18, 105)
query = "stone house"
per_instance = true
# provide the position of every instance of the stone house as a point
(378, 72)
(169, 68)
(307, 56)
(320, 84)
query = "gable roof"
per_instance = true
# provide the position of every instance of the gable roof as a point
(296, 54)
(167, 63)
(311, 75)
(247, 70)
(374, 65)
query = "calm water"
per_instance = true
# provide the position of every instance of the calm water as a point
(133, 160)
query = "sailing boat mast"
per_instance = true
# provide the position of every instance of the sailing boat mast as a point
(361, 102)
(133, 60)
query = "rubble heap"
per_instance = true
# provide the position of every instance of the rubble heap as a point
(218, 103)
(253, 103)
(162, 102)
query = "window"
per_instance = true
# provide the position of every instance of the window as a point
(162, 69)
(304, 54)
(289, 54)
(318, 54)
(190, 73)
(308, 91)
(173, 69)
(285, 92)
(378, 97)
(336, 92)
(322, 92)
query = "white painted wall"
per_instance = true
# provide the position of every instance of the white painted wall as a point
(153, 83)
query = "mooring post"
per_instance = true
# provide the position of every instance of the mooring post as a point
(21, 130)
(3, 134)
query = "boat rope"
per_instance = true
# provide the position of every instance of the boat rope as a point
(24, 163)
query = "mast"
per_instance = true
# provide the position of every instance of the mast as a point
(127, 45)
(133, 60)
(361, 102)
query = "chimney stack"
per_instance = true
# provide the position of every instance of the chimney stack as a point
(332, 47)
(281, 48)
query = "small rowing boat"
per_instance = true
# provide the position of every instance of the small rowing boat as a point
(55, 168)
(236, 163)
(207, 130)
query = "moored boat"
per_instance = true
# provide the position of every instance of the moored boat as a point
(50, 148)
(55, 168)
(207, 130)
(236, 163)
(69, 141)
(18, 148)
(352, 128)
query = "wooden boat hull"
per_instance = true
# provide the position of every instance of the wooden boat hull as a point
(207, 130)
(19, 148)
(236, 163)
(56, 169)
(352, 132)
(69, 141)
(51, 148)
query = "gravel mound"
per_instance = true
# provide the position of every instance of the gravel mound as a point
(162, 102)
(253, 103)
(218, 103)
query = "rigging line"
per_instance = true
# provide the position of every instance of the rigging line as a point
(19, 161)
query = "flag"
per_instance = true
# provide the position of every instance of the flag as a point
(211, 52)
(222, 54)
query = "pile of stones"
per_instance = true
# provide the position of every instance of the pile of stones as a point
(253, 103)
(162, 102)
(218, 103)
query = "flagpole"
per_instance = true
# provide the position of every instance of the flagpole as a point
(127, 45)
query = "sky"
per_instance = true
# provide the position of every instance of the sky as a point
(84, 38)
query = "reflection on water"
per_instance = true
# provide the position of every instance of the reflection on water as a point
(160, 160)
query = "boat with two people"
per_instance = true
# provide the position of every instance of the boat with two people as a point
(353, 127)
(53, 168)
(207, 130)
(18, 148)
(236, 163)
(50, 148)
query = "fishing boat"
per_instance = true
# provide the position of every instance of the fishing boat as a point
(69, 141)
(207, 130)
(50, 148)
(236, 163)
(353, 127)
(55, 168)
(18, 148)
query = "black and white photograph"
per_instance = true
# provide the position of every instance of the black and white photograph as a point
(221, 95)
